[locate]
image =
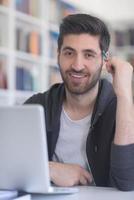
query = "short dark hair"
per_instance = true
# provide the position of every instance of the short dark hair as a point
(84, 23)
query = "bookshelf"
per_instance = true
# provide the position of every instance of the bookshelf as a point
(28, 46)
(122, 34)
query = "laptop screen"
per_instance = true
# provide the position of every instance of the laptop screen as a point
(23, 149)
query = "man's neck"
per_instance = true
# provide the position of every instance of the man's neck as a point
(80, 106)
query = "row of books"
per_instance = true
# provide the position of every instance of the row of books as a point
(4, 2)
(64, 8)
(124, 37)
(29, 42)
(25, 79)
(3, 74)
(31, 7)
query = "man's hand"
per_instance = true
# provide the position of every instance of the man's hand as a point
(122, 73)
(66, 175)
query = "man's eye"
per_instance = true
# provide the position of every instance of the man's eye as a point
(88, 55)
(68, 53)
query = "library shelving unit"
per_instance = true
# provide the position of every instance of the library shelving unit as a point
(28, 46)
(122, 34)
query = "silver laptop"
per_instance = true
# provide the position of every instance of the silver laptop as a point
(23, 151)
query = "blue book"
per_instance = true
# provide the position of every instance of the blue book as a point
(27, 80)
(19, 78)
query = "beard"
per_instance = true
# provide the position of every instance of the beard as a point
(80, 87)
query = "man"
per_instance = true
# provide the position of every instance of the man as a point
(89, 122)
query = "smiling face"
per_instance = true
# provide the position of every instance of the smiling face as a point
(80, 61)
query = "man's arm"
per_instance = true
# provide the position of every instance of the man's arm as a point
(122, 162)
(122, 73)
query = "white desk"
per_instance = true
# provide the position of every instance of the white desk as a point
(90, 193)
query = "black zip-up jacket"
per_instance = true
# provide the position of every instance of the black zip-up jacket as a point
(111, 165)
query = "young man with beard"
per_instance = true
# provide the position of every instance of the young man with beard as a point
(89, 122)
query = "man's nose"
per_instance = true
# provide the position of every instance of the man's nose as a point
(78, 63)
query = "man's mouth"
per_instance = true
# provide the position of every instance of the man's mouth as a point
(77, 75)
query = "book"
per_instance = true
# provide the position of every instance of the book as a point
(13, 195)
(4, 2)
(120, 38)
(19, 78)
(18, 4)
(131, 36)
(67, 9)
(27, 80)
(54, 11)
(22, 6)
(7, 194)
(3, 75)
(33, 43)
(24, 79)
(21, 39)
(34, 8)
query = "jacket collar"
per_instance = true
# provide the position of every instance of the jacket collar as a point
(105, 96)
(55, 97)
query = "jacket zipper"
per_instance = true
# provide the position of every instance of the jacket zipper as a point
(89, 169)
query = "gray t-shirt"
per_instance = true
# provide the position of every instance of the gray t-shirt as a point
(71, 144)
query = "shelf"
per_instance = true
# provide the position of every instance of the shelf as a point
(53, 62)
(54, 27)
(17, 93)
(29, 19)
(4, 51)
(23, 94)
(4, 10)
(29, 57)
(4, 92)
(8, 97)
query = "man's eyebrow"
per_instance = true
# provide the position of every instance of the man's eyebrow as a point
(90, 51)
(68, 48)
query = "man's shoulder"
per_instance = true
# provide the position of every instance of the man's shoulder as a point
(41, 98)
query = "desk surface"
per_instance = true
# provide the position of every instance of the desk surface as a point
(90, 193)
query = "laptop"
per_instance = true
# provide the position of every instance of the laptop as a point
(23, 151)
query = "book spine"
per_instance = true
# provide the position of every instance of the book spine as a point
(3, 75)
(33, 43)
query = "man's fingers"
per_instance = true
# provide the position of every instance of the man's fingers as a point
(87, 175)
(83, 180)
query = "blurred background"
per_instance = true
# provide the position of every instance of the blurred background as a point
(28, 41)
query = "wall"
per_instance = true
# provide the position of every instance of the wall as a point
(109, 10)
